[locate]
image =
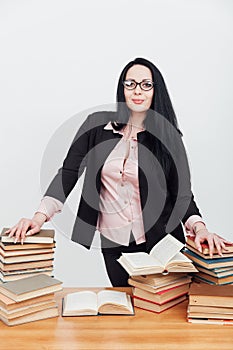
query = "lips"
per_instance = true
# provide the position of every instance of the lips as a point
(137, 101)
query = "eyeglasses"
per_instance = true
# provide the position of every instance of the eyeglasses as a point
(145, 84)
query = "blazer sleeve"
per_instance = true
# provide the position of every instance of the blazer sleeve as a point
(73, 165)
(179, 187)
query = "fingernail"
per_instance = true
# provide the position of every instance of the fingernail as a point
(15, 240)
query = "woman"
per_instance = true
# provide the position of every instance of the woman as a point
(137, 187)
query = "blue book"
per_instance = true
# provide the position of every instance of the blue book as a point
(210, 263)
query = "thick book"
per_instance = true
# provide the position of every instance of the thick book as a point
(205, 247)
(209, 263)
(26, 258)
(148, 287)
(209, 315)
(210, 309)
(162, 297)
(23, 252)
(26, 310)
(35, 316)
(211, 295)
(89, 303)
(165, 256)
(8, 304)
(44, 236)
(210, 321)
(26, 265)
(30, 287)
(18, 246)
(14, 277)
(149, 306)
(214, 280)
(158, 279)
(220, 272)
(207, 256)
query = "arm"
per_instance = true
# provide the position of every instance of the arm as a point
(60, 187)
(179, 185)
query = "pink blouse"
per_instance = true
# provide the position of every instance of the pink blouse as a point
(120, 208)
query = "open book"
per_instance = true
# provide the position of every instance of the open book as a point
(90, 303)
(164, 257)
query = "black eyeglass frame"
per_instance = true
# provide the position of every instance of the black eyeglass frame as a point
(140, 84)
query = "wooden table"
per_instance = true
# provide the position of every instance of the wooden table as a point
(145, 330)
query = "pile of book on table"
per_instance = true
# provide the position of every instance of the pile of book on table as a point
(159, 292)
(217, 270)
(33, 257)
(210, 304)
(155, 289)
(28, 299)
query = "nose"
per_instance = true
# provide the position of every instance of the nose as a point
(137, 90)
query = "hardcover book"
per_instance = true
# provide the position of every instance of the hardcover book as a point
(211, 295)
(149, 306)
(155, 289)
(30, 287)
(44, 236)
(163, 296)
(209, 263)
(205, 247)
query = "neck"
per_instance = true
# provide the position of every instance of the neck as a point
(137, 119)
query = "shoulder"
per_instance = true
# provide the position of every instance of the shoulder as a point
(100, 118)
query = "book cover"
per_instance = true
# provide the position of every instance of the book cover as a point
(211, 295)
(44, 236)
(209, 263)
(205, 247)
(152, 289)
(36, 316)
(14, 277)
(161, 297)
(10, 246)
(25, 265)
(149, 306)
(26, 258)
(30, 287)
(22, 252)
(215, 280)
(9, 304)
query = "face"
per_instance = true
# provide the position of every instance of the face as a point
(138, 100)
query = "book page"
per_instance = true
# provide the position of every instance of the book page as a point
(180, 258)
(86, 300)
(165, 249)
(141, 260)
(112, 297)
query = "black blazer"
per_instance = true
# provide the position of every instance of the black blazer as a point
(166, 200)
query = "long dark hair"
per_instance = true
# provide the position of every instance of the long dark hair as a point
(161, 104)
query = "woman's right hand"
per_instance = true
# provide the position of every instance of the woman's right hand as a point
(27, 227)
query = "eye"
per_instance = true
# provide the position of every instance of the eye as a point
(129, 84)
(147, 85)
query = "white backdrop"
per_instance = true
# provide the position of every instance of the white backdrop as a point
(51, 50)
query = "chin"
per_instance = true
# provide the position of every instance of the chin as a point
(135, 108)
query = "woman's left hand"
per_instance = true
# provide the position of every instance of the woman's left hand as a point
(213, 240)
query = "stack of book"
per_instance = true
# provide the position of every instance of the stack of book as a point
(210, 304)
(33, 257)
(158, 293)
(217, 270)
(28, 299)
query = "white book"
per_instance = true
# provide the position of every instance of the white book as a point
(164, 257)
(89, 303)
